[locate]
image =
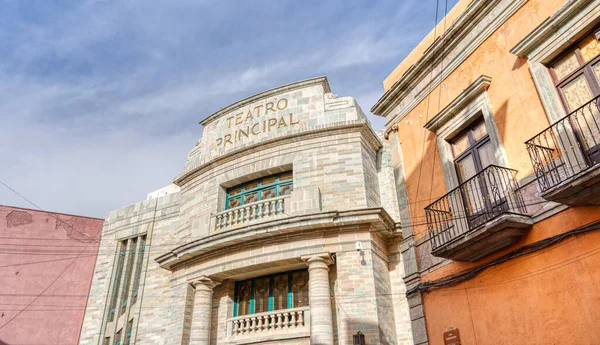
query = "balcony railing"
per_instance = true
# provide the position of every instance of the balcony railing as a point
(479, 200)
(270, 323)
(250, 213)
(568, 147)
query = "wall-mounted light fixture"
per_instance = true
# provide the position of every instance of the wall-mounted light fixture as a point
(359, 338)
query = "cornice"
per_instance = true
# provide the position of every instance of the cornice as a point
(480, 85)
(322, 80)
(550, 26)
(378, 217)
(319, 131)
(428, 72)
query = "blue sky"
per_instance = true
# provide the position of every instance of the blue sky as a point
(100, 100)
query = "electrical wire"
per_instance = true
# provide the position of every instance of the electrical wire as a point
(524, 250)
(48, 213)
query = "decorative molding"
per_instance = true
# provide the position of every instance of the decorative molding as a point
(329, 130)
(377, 218)
(204, 283)
(553, 26)
(479, 86)
(465, 35)
(322, 80)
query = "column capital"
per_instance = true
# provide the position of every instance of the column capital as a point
(316, 259)
(204, 283)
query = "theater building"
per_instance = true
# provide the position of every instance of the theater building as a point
(283, 228)
(495, 120)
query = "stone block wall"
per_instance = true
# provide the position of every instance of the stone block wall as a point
(356, 305)
(335, 157)
(156, 218)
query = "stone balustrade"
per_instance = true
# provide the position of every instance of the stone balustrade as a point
(269, 323)
(249, 213)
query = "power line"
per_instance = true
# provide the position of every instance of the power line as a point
(530, 274)
(47, 288)
(48, 213)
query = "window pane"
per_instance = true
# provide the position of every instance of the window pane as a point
(466, 168)
(486, 155)
(597, 71)
(251, 197)
(261, 295)
(269, 180)
(479, 131)
(566, 65)
(461, 144)
(285, 176)
(589, 47)
(235, 190)
(243, 295)
(268, 193)
(235, 202)
(577, 92)
(300, 289)
(280, 292)
(285, 189)
(251, 185)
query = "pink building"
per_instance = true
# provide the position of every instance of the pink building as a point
(46, 267)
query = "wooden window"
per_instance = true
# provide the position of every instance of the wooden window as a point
(576, 73)
(260, 189)
(273, 292)
(473, 151)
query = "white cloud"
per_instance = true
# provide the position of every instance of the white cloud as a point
(100, 103)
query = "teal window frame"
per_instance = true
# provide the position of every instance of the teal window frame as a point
(271, 304)
(260, 187)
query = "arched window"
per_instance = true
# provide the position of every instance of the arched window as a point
(260, 189)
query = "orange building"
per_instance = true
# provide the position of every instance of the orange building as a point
(494, 124)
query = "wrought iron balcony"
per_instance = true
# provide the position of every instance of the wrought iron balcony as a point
(484, 214)
(565, 157)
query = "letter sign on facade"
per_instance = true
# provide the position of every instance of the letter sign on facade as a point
(452, 337)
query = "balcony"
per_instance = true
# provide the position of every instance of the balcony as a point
(272, 325)
(565, 157)
(484, 214)
(251, 213)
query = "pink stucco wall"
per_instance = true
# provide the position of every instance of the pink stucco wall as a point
(46, 266)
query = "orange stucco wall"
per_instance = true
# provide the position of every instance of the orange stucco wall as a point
(416, 53)
(550, 297)
(517, 109)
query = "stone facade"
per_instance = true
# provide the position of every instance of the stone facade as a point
(197, 249)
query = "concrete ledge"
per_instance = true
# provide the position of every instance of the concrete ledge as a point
(581, 189)
(259, 339)
(378, 218)
(490, 237)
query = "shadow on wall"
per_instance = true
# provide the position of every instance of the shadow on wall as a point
(3, 343)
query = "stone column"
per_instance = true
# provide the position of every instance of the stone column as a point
(200, 332)
(319, 295)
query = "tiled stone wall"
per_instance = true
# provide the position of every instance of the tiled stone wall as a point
(156, 216)
(398, 293)
(384, 300)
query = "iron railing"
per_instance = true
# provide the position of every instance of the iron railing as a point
(480, 199)
(568, 147)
